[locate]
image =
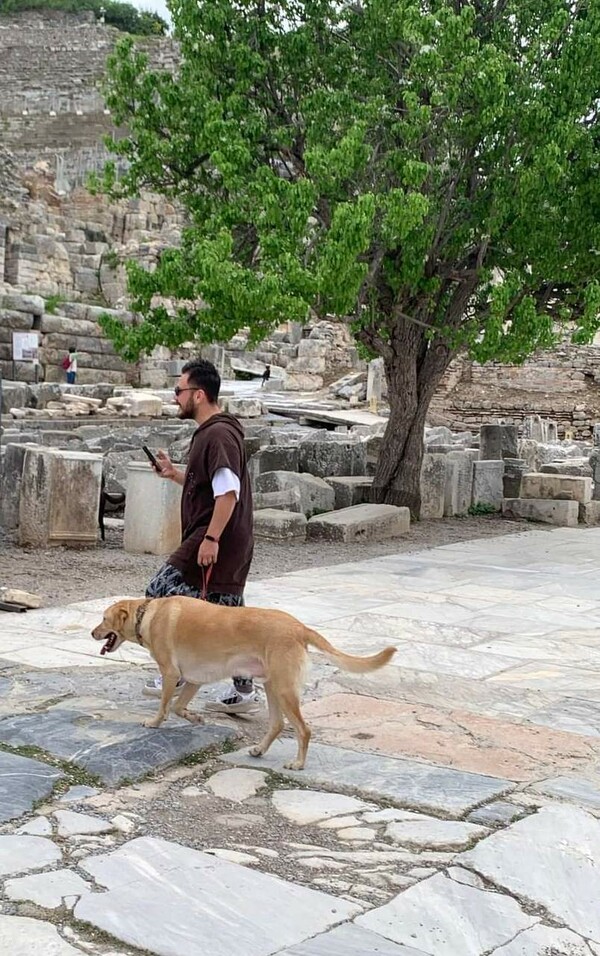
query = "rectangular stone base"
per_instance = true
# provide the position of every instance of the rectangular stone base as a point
(589, 513)
(540, 485)
(360, 523)
(272, 523)
(564, 514)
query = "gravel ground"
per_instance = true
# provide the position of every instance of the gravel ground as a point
(62, 576)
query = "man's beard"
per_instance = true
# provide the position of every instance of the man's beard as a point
(185, 413)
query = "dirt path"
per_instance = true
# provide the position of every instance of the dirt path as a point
(63, 576)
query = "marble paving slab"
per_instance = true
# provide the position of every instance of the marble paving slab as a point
(22, 936)
(571, 714)
(570, 648)
(405, 782)
(23, 782)
(546, 676)
(447, 918)
(113, 751)
(171, 900)
(550, 858)
(574, 789)
(351, 940)
(545, 941)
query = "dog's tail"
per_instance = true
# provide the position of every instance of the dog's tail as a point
(348, 662)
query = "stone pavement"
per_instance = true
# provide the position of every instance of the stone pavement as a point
(449, 805)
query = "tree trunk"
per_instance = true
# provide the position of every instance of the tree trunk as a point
(413, 372)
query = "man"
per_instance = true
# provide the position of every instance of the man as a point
(266, 375)
(216, 515)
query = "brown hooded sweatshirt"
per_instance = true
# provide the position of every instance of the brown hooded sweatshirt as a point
(217, 443)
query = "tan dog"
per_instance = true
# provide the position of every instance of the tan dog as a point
(204, 642)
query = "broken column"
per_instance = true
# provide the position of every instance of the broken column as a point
(375, 380)
(433, 486)
(595, 463)
(514, 469)
(533, 427)
(459, 481)
(152, 512)
(498, 441)
(488, 483)
(10, 484)
(60, 498)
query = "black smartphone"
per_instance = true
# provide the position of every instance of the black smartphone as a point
(153, 460)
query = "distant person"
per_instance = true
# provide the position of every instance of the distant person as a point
(266, 375)
(70, 365)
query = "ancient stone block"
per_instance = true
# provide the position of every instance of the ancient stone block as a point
(10, 484)
(350, 490)
(488, 483)
(578, 467)
(440, 435)
(245, 407)
(556, 486)
(433, 486)
(43, 393)
(14, 321)
(498, 441)
(514, 469)
(589, 513)
(152, 512)
(459, 481)
(138, 404)
(271, 523)
(288, 500)
(326, 458)
(307, 365)
(15, 301)
(273, 458)
(565, 514)
(15, 395)
(361, 523)
(301, 382)
(375, 379)
(316, 495)
(60, 496)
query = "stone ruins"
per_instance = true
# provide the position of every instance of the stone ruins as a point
(61, 267)
(68, 247)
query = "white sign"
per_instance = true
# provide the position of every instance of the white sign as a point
(25, 346)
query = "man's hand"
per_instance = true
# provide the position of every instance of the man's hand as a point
(208, 552)
(167, 468)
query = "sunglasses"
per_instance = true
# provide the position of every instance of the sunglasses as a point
(178, 390)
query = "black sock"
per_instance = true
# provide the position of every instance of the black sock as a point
(243, 685)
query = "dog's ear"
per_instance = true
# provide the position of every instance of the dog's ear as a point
(122, 614)
(117, 614)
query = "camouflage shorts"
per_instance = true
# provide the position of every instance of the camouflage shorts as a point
(168, 582)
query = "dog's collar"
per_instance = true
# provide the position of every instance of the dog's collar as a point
(139, 614)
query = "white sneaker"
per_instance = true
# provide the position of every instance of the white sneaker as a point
(153, 688)
(232, 702)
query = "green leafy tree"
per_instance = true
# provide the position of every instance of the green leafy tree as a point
(428, 168)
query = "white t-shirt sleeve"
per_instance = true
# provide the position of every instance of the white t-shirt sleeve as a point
(224, 480)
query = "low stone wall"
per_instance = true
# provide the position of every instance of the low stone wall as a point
(563, 385)
(77, 326)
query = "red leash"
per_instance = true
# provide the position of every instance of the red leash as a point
(206, 573)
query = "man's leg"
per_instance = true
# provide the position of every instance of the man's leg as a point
(242, 698)
(167, 582)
